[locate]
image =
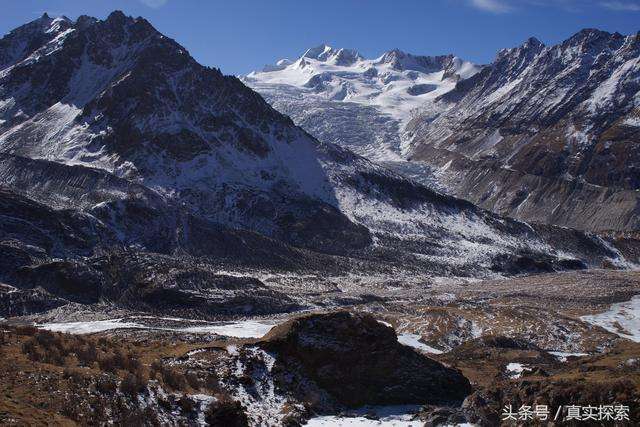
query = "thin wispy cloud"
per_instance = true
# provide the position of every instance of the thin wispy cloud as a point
(506, 6)
(621, 5)
(154, 3)
(493, 6)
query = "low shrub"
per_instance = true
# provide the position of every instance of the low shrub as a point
(28, 331)
(133, 384)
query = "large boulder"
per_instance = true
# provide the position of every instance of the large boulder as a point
(359, 361)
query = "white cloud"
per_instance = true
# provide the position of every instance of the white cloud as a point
(621, 5)
(154, 3)
(494, 6)
(505, 6)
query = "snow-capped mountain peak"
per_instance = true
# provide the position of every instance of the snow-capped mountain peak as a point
(118, 123)
(319, 52)
(563, 114)
(401, 61)
(325, 53)
(24, 40)
(386, 89)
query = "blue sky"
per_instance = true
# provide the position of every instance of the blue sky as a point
(239, 36)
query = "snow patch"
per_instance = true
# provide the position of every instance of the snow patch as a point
(90, 327)
(562, 356)
(413, 340)
(243, 329)
(265, 404)
(632, 121)
(515, 369)
(602, 96)
(622, 319)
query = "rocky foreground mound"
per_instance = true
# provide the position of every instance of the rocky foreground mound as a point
(359, 361)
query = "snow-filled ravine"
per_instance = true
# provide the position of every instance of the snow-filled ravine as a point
(622, 319)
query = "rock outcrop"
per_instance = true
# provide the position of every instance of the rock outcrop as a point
(359, 361)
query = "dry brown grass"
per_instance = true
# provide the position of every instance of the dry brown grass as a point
(61, 379)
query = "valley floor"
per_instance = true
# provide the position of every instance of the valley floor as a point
(562, 338)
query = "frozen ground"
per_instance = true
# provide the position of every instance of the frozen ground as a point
(429, 315)
(242, 329)
(388, 416)
(622, 319)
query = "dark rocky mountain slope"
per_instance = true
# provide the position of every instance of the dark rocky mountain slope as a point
(118, 150)
(542, 134)
(546, 134)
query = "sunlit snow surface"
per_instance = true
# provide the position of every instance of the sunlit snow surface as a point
(89, 327)
(243, 329)
(622, 319)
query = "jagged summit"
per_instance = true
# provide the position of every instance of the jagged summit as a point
(402, 61)
(326, 53)
(533, 42)
(126, 59)
(593, 33)
(525, 52)
(47, 22)
(24, 40)
(319, 52)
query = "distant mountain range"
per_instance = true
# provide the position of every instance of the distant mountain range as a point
(131, 173)
(543, 134)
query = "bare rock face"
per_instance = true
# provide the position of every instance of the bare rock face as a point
(359, 361)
